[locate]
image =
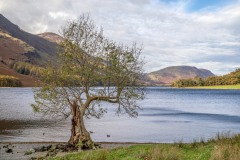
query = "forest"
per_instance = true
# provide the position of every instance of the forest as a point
(9, 81)
(232, 78)
(25, 68)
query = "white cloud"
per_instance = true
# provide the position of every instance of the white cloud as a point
(1, 5)
(58, 15)
(221, 67)
(170, 35)
(39, 27)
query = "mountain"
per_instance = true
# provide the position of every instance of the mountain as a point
(52, 37)
(16, 45)
(170, 74)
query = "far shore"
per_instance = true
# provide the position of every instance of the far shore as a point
(217, 87)
(168, 86)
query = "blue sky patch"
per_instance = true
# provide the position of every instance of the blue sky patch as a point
(196, 5)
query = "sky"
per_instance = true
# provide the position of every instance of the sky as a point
(201, 33)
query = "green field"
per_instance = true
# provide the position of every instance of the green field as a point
(216, 149)
(218, 87)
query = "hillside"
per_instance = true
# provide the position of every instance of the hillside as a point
(17, 45)
(36, 49)
(27, 81)
(170, 74)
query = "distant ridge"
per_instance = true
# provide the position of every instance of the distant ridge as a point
(170, 74)
(35, 41)
(52, 37)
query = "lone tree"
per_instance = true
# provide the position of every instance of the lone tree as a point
(90, 69)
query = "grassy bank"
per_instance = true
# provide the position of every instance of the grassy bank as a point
(217, 149)
(218, 87)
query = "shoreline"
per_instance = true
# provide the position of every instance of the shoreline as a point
(41, 150)
(19, 149)
(50, 142)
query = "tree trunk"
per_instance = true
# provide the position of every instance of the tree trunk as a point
(80, 137)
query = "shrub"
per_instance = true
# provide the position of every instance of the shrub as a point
(9, 81)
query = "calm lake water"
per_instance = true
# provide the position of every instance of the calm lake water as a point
(167, 115)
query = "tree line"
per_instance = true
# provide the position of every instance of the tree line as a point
(9, 81)
(232, 78)
(25, 68)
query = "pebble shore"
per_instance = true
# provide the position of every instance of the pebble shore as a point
(27, 150)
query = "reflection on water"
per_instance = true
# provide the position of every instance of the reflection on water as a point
(168, 115)
(22, 124)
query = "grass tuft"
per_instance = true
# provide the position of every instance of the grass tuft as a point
(226, 152)
(171, 154)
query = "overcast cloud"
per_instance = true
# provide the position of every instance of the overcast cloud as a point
(171, 33)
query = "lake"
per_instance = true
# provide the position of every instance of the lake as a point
(168, 115)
